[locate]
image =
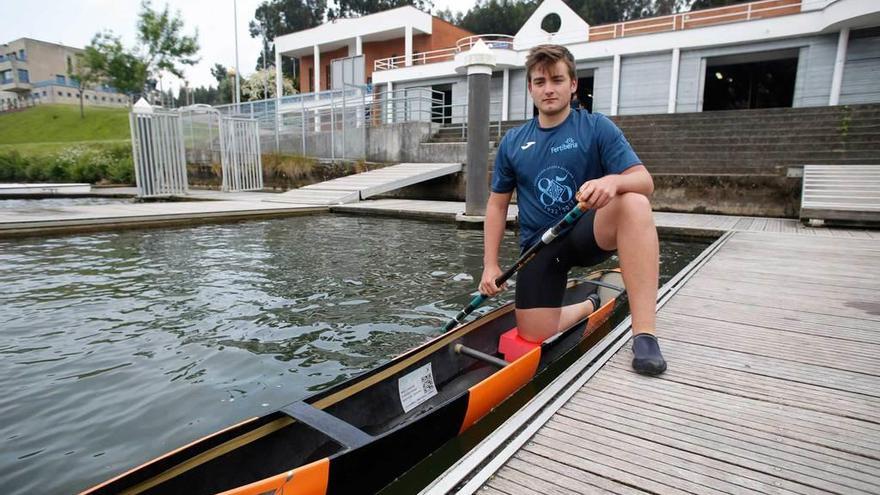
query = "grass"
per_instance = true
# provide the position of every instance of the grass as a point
(56, 125)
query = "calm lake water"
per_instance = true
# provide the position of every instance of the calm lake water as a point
(49, 203)
(117, 347)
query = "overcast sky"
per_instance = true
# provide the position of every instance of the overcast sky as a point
(75, 22)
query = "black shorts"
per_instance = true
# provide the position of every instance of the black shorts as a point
(541, 283)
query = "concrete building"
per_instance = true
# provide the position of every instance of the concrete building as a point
(771, 53)
(34, 72)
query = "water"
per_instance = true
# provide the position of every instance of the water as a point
(117, 347)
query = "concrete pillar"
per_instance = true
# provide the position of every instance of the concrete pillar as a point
(358, 46)
(673, 80)
(839, 62)
(615, 84)
(317, 70)
(408, 49)
(505, 94)
(478, 63)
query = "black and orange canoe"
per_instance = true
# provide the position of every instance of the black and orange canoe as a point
(361, 434)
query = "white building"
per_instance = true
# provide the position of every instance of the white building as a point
(771, 53)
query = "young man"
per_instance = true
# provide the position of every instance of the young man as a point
(560, 158)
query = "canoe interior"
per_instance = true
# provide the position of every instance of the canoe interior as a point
(276, 443)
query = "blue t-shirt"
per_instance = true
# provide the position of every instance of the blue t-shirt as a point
(547, 166)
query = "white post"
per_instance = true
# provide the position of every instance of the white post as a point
(358, 46)
(317, 70)
(389, 113)
(279, 78)
(615, 84)
(839, 62)
(673, 80)
(408, 42)
(505, 94)
(279, 88)
(235, 31)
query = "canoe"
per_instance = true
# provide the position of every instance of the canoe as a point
(359, 435)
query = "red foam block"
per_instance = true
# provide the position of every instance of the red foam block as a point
(513, 346)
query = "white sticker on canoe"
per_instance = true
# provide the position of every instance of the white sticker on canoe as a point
(416, 387)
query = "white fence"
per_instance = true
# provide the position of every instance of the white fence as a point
(240, 156)
(163, 142)
(157, 149)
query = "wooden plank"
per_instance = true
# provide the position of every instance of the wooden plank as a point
(659, 453)
(771, 366)
(557, 473)
(600, 465)
(824, 325)
(768, 389)
(745, 448)
(781, 345)
(849, 435)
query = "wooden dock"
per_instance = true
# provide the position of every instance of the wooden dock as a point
(773, 386)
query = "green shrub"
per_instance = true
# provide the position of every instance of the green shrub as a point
(12, 166)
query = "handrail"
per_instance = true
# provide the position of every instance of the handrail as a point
(697, 18)
(498, 41)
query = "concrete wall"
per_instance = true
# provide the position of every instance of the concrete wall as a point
(397, 142)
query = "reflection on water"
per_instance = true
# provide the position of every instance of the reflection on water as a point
(118, 347)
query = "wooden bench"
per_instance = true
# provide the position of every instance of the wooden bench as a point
(843, 194)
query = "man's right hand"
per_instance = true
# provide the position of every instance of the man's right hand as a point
(487, 283)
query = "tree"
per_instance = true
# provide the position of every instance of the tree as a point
(497, 16)
(260, 82)
(274, 18)
(89, 69)
(110, 63)
(355, 8)
(708, 4)
(166, 48)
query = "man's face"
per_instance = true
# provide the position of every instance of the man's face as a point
(551, 88)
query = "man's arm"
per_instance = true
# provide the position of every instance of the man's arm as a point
(599, 192)
(493, 231)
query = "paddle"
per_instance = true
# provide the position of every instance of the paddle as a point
(569, 219)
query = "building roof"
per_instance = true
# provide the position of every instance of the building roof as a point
(389, 24)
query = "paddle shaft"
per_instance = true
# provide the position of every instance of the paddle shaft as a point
(548, 236)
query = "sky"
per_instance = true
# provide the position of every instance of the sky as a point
(75, 22)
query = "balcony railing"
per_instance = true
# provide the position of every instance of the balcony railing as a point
(699, 18)
(501, 41)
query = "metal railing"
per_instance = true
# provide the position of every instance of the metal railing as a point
(498, 41)
(697, 18)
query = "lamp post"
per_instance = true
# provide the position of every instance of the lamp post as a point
(235, 28)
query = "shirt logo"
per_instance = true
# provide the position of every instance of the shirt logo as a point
(555, 186)
(527, 145)
(569, 144)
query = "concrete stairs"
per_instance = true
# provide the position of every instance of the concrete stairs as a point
(739, 142)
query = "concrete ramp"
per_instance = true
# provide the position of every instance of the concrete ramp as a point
(841, 193)
(353, 188)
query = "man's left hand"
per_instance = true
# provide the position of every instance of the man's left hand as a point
(597, 193)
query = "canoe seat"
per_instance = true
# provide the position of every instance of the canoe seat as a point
(343, 433)
(513, 346)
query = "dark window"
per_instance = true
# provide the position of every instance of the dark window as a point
(329, 72)
(585, 93)
(21, 55)
(764, 84)
(311, 85)
(44, 93)
(60, 79)
(69, 95)
(23, 76)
